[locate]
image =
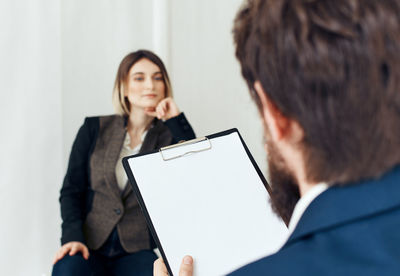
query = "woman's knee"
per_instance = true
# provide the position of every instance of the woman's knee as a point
(71, 265)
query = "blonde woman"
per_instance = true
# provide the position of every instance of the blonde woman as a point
(104, 231)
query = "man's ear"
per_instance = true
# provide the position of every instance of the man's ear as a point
(276, 122)
(280, 126)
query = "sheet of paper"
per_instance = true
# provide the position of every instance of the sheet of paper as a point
(211, 205)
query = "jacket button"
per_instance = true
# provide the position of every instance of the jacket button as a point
(117, 211)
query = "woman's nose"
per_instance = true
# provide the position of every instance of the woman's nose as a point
(149, 83)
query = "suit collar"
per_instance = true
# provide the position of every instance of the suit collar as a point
(113, 149)
(150, 142)
(303, 204)
(341, 205)
(153, 139)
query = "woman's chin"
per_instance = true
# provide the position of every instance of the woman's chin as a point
(149, 106)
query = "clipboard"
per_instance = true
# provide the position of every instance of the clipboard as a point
(206, 198)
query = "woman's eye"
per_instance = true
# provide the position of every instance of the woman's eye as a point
(138, 78)
(158, 78)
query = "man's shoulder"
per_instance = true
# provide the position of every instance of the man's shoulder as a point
(297, 259)
(340, 250)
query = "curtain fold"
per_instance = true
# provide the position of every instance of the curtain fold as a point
(30, 140)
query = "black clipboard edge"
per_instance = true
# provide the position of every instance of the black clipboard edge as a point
(260, 174)
(139, 197)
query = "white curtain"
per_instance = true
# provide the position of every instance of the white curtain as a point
(58, 62)
(30, 140)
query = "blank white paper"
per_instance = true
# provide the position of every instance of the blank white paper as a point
(211, 205)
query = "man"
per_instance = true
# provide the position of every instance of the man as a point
(325, 75)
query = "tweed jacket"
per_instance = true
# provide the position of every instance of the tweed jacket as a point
(347, 230)
(91, 202)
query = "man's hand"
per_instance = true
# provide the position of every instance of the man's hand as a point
(165, 109)
(72, 248)
(186, 267)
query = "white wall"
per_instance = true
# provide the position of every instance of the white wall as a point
(31, 135)
(206, 75)
(59, 61)
(96, 35)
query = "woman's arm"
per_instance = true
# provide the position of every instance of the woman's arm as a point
(180, 128)
(174, 119)
(76, 189)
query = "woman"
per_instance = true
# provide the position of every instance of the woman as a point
(103, 229)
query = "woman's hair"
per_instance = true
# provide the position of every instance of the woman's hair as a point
(120, 102)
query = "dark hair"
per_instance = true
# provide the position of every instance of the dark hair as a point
(121, 104)
(334, 67)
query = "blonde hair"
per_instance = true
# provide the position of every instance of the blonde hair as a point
(120, 102)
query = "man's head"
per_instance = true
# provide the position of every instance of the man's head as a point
(325, 75)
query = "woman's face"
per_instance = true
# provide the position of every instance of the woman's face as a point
(145, 85)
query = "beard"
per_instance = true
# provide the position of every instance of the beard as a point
(285, 191)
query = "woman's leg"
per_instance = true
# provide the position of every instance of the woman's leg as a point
(77, 266)
(134, 264)
(72, 265)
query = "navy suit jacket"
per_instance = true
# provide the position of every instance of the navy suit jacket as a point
(351, 230)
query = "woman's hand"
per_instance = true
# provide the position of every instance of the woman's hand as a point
(166, 109)
(186, 267)
(73, 248)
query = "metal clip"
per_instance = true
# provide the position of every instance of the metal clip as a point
(190, 142)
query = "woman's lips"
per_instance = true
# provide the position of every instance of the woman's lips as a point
(151, 96)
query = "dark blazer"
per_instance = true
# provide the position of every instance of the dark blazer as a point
(92, 205)
(351, 230)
